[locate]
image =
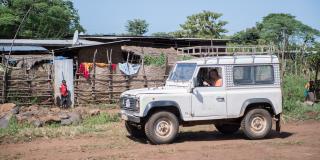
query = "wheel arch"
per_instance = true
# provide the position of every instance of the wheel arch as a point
(163, 105)
(264, 103)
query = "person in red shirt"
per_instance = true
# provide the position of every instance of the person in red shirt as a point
(64, 94)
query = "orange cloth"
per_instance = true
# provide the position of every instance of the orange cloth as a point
(102, 65)
(86, 67)
(218, 83)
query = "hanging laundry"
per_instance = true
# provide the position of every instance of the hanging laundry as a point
(114, 67)
(129, 69)
(102, 65)
(84, 68)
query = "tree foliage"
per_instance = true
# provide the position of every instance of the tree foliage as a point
(47, 19)
(162, 34)
(276, 29)
(205, 24)
(137, 27)
(247, 36)
(314, 59)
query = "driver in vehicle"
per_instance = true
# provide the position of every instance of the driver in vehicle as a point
(215, 79)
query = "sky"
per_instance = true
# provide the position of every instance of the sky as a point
(111, 16)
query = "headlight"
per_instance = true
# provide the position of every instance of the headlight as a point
(130, 103)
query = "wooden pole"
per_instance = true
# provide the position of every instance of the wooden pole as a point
(143, 70)
(4, 80)
(110, 76)
(94, 76)
(76, 84)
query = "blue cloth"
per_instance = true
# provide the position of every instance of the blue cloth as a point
(129, 69)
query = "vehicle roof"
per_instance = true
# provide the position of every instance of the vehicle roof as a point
(240, 59)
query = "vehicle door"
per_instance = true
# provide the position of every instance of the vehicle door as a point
(209, 100)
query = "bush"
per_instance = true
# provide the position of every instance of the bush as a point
(293, 92)
(158, 61)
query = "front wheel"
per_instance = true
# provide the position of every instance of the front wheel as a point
(257, 124)
(162, 127)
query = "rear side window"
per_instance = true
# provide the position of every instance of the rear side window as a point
(264, 75)
(250, 75)
(242, 75)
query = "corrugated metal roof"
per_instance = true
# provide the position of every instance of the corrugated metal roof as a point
(46, 42)
(148, 37)
(22, 49)
(86, 46)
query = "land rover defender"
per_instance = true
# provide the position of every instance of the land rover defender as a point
(248, 96)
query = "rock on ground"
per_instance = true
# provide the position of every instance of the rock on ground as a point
(6, 107)
(74, 118)
(4, 121)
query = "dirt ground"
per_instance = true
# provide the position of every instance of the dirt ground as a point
(299, 140)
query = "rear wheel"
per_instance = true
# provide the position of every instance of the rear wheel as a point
(257, 124)
(162, 127)
(134, 131)
(227, 128)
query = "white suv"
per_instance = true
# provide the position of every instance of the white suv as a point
(247, 95)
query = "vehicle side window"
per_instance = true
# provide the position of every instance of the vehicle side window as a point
(264, 75)
(242, 75)
(253, 75)
(210, 77)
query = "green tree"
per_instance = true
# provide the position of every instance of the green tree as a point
(137, 27)
(205, 24)
(162, 34)
(47, 19)
(314, 60)
(247, 36)
(278, 28)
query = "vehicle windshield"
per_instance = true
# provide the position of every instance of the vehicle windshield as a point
(183, 72)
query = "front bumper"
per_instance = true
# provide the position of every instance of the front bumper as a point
(128, 117)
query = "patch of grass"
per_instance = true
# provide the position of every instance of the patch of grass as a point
(107, 106)
(13, 128)
(101, 119)
(158, 61)
(304, 112)
(25, 132)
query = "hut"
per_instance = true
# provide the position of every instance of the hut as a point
(97, 68)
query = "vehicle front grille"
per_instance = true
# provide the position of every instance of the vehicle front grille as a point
(131, 107)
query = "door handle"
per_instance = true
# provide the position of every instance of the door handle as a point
(220, 99)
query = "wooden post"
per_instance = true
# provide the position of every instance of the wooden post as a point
(127, 82)
(76, 78)
(29, 79)
(110, 79)
(110, 76)
(93, 87)
(4, 80)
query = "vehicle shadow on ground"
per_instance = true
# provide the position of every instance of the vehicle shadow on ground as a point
(217, 136)
(189, 136)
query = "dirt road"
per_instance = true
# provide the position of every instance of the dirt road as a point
(299, 140)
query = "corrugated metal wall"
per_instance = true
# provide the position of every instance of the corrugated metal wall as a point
(63, 70)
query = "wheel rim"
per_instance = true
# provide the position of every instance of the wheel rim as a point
(163, 127)
(258, 123)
